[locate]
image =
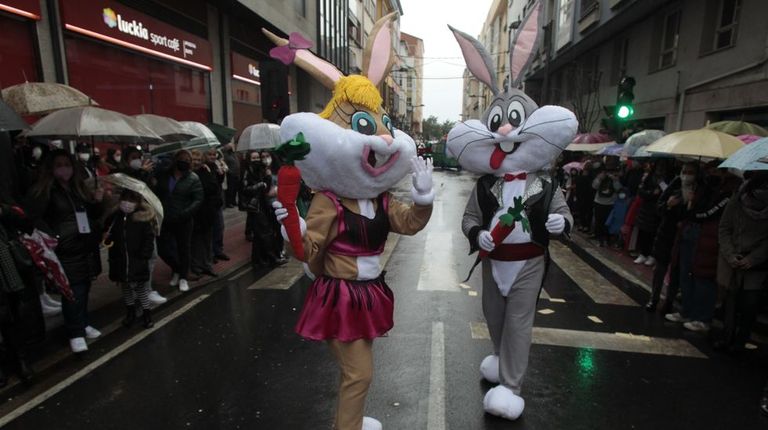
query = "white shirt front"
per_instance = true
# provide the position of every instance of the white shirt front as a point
(505, 272)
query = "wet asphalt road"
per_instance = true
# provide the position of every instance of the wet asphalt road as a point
(231, 359)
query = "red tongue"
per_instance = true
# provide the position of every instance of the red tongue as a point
(497, 158)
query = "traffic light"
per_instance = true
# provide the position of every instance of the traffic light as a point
(625, 109)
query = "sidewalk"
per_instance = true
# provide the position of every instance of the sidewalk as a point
(106, 308)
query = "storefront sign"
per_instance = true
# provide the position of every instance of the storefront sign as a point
(112, 22)
(26, 8)
(245, 69)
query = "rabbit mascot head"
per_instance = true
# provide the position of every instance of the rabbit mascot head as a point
(356, 152)
(514, 133)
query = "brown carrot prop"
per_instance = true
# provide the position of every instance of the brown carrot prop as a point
(288, 188)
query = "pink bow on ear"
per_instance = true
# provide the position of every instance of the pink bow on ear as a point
(287, 53)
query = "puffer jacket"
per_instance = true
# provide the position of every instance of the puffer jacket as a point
(55, 214)
(133, 240)
(181, 203)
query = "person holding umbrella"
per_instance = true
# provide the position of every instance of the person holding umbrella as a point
(131, 240)
(60, 204)
(181, 193)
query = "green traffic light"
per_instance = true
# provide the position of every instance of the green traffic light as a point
(624, 112)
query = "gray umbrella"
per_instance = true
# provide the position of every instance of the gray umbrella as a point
(168, 128)
(95, 124)
(10, 120)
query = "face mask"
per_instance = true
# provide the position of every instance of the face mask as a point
(84, 156)
(255, 160)
(37, 153)
(127, 207)
(687, 179)
(135, 164)
(96, 157)
(117, 158)
(267, 161)
(622, 196)
(63, 173)
(182, 165)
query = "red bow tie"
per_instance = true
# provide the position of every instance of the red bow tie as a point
(508, 177)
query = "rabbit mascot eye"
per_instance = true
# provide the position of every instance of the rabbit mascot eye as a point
(355, 157)
(514, 207)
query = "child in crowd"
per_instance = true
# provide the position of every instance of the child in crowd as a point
(131, 236)
(616, 218)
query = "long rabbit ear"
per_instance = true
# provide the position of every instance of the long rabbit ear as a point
(320, 69)
(525, 44)
(477, 58)
(378, 56)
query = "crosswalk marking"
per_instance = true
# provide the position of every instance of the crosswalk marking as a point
(622, 342)
(599, 289)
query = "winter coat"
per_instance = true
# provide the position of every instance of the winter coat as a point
(708, 207)
(181, 202)
(647, 216)
(254, 188)
(233, 164)
(55, 215)
(212, 195)
(669, 218)
(615, 219)
(740, 234)
(133, 242)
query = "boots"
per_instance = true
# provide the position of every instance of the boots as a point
(146, 318)
(130, 316)
(24, 371)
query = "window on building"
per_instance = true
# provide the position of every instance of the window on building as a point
(370, 8)
(333, 33)
(669, 40)
(619, 69)
(301, 7)
(720, 25)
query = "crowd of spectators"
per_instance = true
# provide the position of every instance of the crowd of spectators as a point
(63, 193)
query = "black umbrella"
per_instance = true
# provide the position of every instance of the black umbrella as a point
(9, 119)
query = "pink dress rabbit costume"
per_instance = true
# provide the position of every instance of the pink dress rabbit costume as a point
(512, 146)
(356, 156)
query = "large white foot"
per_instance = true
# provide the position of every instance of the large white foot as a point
(489, 368)
(371, 424)
(502, 402)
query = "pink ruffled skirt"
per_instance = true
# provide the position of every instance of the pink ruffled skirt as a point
(346, 310)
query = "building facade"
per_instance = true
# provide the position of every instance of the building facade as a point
(194, 60)
(412, 73)
(694, 61)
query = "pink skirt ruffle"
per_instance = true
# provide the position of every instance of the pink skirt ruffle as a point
(346, 310)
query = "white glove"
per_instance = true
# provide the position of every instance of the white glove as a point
(281, 214)
(555, 223)
(421, 174)
(485, 241)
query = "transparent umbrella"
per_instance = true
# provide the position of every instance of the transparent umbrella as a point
(258, 137)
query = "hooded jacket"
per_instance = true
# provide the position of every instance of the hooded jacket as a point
(133, 240)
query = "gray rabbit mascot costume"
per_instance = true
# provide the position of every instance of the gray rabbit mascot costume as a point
(512, 146)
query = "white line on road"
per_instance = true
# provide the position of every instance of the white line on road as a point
(436, 411)
(239, 275)
(623, 342)
(40, 398)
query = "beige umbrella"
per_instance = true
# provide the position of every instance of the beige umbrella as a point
(168, 128)
(40, 98)
(697, 143)
(92, 123)
(121, 180)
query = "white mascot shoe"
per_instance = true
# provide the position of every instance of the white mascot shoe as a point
(371, 424)
(502, 402)
(489, 368)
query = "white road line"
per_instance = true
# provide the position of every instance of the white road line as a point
(622, 342)
(438, 272)
(239, 275)
(40, 398)
(599, 289)
(436, 411)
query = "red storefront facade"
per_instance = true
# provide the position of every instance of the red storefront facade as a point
(246, 91)
(133, 63)
(19, 60)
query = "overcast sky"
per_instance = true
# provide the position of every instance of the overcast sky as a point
(428, 20)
